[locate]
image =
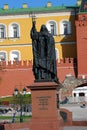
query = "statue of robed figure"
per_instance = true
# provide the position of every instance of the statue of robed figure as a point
(44, 58)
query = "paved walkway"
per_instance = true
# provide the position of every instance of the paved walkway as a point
(78, 113)
(74, 128)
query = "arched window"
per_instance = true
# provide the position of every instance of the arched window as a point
(14, 30)
(15, 55)
(2, 31)
(52, 27)
(3, 56)
(65, 27)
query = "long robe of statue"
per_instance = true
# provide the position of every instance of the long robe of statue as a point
(44, 59)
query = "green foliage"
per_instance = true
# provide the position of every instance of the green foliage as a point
(6, 99)
(26, 99)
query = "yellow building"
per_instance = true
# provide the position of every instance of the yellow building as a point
(15, 26)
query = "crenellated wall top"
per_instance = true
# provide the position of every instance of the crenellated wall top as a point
(29, 63)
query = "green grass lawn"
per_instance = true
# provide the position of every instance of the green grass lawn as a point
(9, 117)
(17, 119)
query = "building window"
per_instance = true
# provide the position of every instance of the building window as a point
(14, 31)
(52, 27)
(2, 31)
(74, 94)
(65, 27)
(15, 56)
(81, 94)
(3, 56)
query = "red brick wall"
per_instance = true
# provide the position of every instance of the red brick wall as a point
(66, 66)
(81, 32)
(16, 126)
(69, 117)
(21, 75)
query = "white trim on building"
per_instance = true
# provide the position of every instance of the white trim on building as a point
(80, 94)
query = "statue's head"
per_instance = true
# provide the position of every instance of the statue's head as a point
(43, 28)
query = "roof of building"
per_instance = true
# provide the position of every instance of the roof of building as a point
(36, 10)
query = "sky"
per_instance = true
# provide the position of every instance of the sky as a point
(36, 3)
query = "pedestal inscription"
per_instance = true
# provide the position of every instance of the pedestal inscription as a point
(43, 102)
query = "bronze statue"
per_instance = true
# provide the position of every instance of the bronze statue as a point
(44, 59)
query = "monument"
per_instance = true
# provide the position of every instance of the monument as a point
(44, 59)
(45, 114)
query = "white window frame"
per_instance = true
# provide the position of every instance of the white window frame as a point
(2, 26)
(13, 52)
(54, 24)
(68, 23)
(6, 57)
(57, 54)
(11, 30)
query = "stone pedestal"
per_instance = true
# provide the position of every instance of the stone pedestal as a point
(45, 114)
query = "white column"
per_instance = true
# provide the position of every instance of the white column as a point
(77, 97)
(77, 94)
(86, 96)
